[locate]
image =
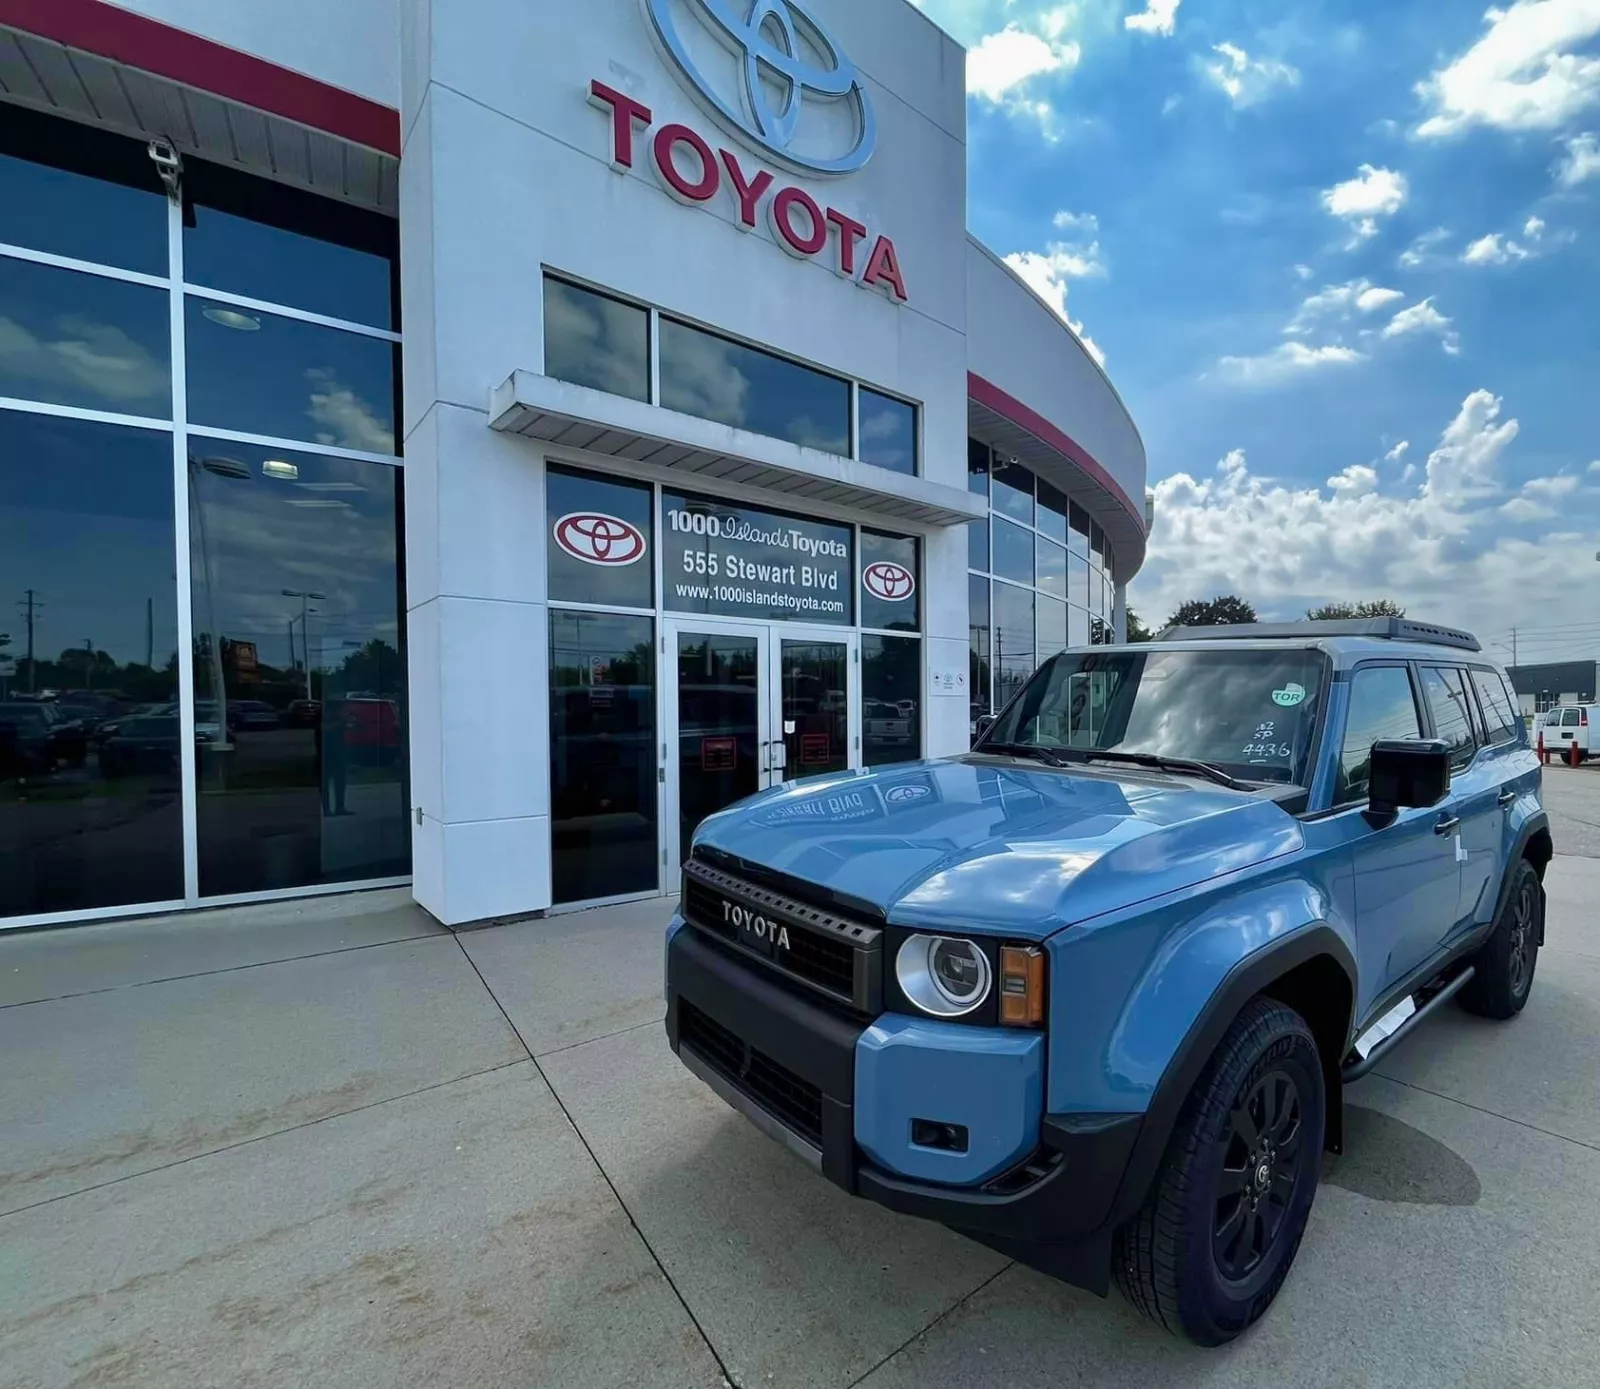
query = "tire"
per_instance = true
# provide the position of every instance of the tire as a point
(1194, 1258)
(1504, 966)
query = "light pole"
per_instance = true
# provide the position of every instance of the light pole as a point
(306, 596)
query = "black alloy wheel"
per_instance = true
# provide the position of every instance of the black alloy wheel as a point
(1259, 1172)
(1503, 969)
(1523, 924)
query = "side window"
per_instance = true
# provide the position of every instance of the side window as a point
(1478, 714)
(1381, 706)
(1569, 718)
(1448, 701)
(1497, 711)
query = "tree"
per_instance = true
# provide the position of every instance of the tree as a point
(1137, 631)
(1368, 607)
(1222, 611)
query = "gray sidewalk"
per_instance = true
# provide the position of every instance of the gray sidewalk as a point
(327, 1142)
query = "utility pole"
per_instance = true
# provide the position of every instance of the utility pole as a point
(29, 607)
(88, 662)
(150, 633)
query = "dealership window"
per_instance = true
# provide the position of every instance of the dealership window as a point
(595, 340)
(888, 431)
(891, 584)
(600, 539)
(1032, 552)
(891, 699)
(716, 378)
(603, 806)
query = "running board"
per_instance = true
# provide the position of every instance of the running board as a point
(1354, 1070)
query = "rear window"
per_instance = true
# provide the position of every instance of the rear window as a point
(1569, 718)
(1449, 703)
(1501, 718)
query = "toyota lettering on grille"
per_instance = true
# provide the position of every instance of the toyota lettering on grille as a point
(771, 934)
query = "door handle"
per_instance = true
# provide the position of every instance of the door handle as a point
(1506, 797)
(1449, 826)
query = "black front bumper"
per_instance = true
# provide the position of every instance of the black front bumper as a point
(788, 1064)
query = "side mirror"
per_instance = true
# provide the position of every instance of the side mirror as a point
(1407, 772)
(985, 723)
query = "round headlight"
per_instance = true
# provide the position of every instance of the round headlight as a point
(943, 975)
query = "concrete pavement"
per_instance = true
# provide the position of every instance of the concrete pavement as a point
(328, 1142)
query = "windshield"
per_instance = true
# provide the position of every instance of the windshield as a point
(1251, 713)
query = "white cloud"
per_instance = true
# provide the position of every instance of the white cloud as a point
(1424, 318)
(1552, 488)
(1397, 452)
(1157, 17)
(1354, 295)
(1246, 80)
(1355, 481)
(1582, 161)
(1439, 547)
(1286, 360)
(1048, 275)
(1421, 251)
(1595, 466)
(347, 420)
(1522, 509)
(87, 358)
(1533, 228)
(1493, 249)
(1078, 256)
(1522, 74)
(1002, 65)
(1360, 201)
(1303, 272)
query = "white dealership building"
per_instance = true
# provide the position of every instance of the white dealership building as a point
(467, 443)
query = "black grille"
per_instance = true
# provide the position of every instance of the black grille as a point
(839, 957)
(775, 1088)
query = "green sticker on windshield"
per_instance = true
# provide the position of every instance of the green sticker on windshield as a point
(1289, 696)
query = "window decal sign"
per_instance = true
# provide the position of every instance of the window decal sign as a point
(892, 582)
(597, 538)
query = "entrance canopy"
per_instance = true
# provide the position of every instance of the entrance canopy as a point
(539, 407)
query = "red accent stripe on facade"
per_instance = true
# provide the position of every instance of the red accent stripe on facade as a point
(986, 393)
(125, 37)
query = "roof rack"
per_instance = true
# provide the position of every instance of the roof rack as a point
(1390, 628)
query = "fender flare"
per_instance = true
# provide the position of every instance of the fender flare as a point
(1251, 976)
(1535, 822)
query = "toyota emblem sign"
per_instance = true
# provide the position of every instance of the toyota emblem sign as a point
(597, 538)
(892, 582)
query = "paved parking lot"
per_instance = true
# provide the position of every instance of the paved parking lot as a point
(327, 1142)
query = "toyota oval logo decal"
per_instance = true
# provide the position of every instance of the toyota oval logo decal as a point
(900, 795)
(892, 582)
(597, 538)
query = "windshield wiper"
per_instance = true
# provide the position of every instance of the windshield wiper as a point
(1156, 762)
(1049, 756)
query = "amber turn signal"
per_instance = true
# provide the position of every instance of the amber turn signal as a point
(1021, 986)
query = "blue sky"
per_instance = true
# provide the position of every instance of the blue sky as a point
(1340, 258)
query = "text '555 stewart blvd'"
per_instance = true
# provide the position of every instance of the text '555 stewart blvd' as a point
(692, 172)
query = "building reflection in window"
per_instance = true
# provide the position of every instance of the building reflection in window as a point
(90, 774)
(891, 699)
(299, 668)
(603, 809)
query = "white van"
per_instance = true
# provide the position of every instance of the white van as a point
(1569, 724)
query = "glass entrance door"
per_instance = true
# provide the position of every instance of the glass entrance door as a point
(752, 705)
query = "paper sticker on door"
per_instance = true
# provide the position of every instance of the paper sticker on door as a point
(814, 749)
(719, 754)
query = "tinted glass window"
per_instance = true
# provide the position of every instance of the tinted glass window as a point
(1252, 712)
(90, 811)
(1077, 627)
(891, 593)
(76, 339)
(261, 373)
(978, 545)
(891, 699)
(1504, 725)
(717, 379)
(1013, 490)
(1014, 639)
(1051, 513)
(1569, 718)
(1052, 627)
(977, 467)
(744, 561)
(1381, 706)
(603, 809)
(76, 192)
(269, 242)
(1013, 552)
(1448, 702)
(978, 639)
(1097, 545)
(888, 432)
(1050, 562)
(299, 668)
(599, 540)
(1078, 535)
(1078, 581)
(596, 341)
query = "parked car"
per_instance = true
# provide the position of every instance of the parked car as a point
(1090, 992)
(142, 747)
(303, 713)
(40, 739)
(1570, 726)
(251, 716)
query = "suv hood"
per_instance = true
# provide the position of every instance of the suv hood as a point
(991, 845)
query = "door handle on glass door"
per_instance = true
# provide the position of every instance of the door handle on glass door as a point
(1449, 826)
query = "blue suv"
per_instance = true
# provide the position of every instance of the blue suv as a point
(1090, 992)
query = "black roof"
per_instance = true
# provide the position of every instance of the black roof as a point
(1389, 628)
